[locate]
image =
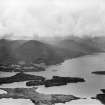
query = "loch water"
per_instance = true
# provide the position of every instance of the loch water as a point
(77, 67)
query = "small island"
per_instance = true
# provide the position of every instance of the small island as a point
(35, 97)
(99, 72)
(55, 81)
(20, 77)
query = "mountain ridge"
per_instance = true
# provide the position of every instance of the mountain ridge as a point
(34, 51)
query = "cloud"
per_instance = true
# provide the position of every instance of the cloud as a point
(27, 19)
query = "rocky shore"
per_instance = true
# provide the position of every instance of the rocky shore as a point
(101, 96)
(21, 68)
(55, 81)
(35, 97)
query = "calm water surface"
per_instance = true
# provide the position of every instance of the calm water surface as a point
(79, 67)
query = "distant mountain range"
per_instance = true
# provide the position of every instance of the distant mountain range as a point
(32, 51)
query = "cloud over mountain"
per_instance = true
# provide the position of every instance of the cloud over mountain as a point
(32, 19)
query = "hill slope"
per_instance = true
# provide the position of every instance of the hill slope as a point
(33, 51)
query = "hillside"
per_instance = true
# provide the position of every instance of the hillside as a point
(32, 51)
(86, 45)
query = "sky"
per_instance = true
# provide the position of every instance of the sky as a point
(33, 19)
